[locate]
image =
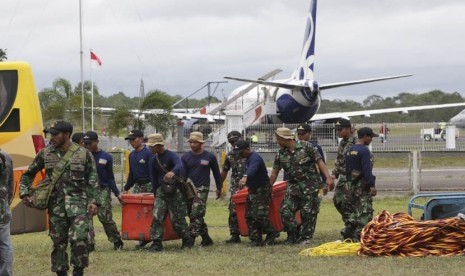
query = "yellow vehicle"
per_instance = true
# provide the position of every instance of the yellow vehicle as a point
(21, 135)
(21, 128)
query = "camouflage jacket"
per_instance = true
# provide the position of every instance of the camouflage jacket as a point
(6, 186)
(340, 164)
(236, 164)
(301, 165)
(77, 185)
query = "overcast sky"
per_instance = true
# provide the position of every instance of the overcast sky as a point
(178, 46)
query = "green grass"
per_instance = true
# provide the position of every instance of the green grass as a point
(32, 253)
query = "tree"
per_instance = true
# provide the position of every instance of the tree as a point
(162, 121)
(3, 56)
(120, 119)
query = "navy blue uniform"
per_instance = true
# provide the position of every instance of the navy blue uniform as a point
(359, 174)
(197, 167)
(104, 163)
(139, 171)
(171, 163)
(257, 174)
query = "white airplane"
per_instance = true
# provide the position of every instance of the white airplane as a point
(297, 99)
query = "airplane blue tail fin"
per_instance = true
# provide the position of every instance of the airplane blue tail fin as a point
(305, 69)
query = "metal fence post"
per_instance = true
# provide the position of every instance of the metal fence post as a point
(414, 171)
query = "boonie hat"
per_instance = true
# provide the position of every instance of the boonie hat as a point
(366, 131)
(134, 134)
(155, 139)
(285, 133)
(90, 136)
(196, 137)
(59, 126)
(342, 123)
(234, 135)
(304, 128)
(241, 145)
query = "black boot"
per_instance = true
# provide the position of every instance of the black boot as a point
(206, 240)
(156, 246)
(118, 245)
(141, 244)
(187, 242)
(62, 273)
(270, 238)
(78, 271)
(291, 238)
(234, 239)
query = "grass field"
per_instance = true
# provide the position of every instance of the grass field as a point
(32, 251)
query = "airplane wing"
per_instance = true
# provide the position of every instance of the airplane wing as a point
(244, 91)
(299, 84)
(368, 113)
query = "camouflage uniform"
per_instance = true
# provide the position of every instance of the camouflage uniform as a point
(197, 210)
(302, 188)
(6, 195)
(237, 166)
(257, 210)
(177, 208)
(360, 201)
(105, 215)
(341, 192)
(67, 207)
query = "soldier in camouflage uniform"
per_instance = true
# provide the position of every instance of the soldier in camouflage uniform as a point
(6, 196)
(165, 200)
(303, 164)
(138, 176)
(258, 198)
(345, 132)
(73, 197)
(236, 164)
(359, 174)
(106, 180)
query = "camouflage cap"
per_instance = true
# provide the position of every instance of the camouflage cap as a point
(196, 137)
(155, 139)
(285, 133)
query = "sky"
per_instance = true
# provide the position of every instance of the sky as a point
(178, 46)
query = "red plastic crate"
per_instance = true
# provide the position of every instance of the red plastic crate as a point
(137, 218)
(278, 192)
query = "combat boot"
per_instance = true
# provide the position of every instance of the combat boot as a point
(156, 246)
(62, 273)
(118, 245)
(78, 271)
(234, 239)
(187, 242)
(141, 244)
(206, 240)
(291, 238)
(270, 238)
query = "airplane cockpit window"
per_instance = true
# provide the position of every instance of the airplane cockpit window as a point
(8, 91)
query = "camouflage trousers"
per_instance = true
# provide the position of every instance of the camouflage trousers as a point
(360, 204)
(301, 197)
(63, 228)
(341, 197)
(105, 216)
(197, 208)
(257, 211)
(232, 219)
(176, 206)
(142, 188)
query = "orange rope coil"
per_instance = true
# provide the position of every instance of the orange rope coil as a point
(401, 235)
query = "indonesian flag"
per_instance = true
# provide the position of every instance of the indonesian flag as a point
(95, 57)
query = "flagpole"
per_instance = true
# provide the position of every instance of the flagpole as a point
(82, 64)
(92, 94)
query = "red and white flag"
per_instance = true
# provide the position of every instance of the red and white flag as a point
(95, 57)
